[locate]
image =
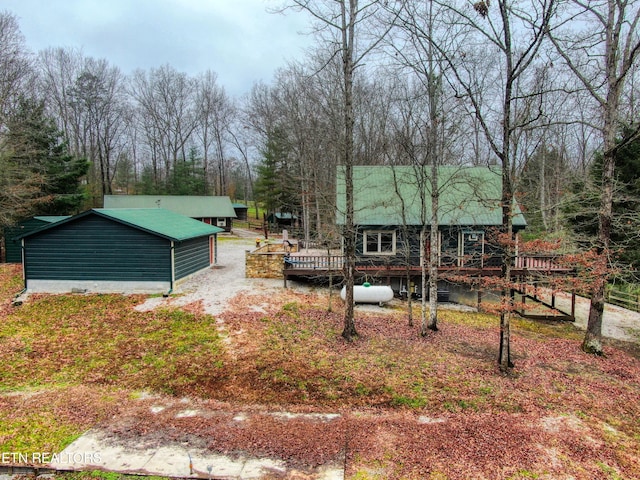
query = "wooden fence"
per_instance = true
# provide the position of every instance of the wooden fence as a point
(623, 299)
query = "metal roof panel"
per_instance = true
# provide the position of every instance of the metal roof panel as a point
(383, 195)
(162, 222)
(194, 206)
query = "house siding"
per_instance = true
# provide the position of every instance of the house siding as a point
(13, 247)
(458, 246)
(95, 248)
(191, 256)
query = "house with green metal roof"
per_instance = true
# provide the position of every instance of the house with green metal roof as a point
(213, 210)
(150, 250)
(392, 203)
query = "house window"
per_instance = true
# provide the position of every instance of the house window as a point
(221, 222)
(471, 249)
(379, 243)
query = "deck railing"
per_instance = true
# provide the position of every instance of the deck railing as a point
(336, 262)
(315, 262)
(539, 263)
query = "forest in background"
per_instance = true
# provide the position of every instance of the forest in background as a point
(73, 128)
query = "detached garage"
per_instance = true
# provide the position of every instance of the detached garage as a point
(13, 249)
(117, 250)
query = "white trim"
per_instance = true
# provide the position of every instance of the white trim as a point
(479, 237)
(378, 252)
(173, 264)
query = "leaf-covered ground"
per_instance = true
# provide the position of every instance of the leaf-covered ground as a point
(409, 407)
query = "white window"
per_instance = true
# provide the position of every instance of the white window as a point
(379, 242)
(221, 222)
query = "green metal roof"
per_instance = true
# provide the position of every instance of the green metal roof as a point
(165, 223)
(51, 218)
(161, 222)
(468, 195)
(194, 206)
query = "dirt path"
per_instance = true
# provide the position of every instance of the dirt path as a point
(617, 322)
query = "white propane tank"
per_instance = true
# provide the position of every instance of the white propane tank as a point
(367, 293)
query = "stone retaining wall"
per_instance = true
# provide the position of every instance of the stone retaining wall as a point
(266, 261)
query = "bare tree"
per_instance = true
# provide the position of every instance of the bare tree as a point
(599, 42)
(215, 115)
(59, 70)
(98, 102)
(15, 64)
(419, 55)
(165, 103)
(514, 34)
(341, 21)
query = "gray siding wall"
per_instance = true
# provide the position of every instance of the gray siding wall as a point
(191, 256)
(95, 248)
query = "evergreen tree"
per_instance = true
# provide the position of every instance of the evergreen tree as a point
(186, 179)
(583, 206)
(34, 146)
(275, 186)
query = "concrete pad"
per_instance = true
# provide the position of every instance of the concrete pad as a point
(91, 450)
(176, 461)
(256, 468)
(96, 450)
(334, 472)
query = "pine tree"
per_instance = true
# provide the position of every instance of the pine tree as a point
(275, 187)
(581, 210)
(34, 146)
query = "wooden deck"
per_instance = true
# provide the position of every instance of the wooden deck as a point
(319, 266)
(324, 265)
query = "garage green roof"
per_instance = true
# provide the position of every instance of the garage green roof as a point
(194, 206)
(468, 195)
(51, 218)
(161, 222)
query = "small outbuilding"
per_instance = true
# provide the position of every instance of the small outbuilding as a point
(213, 210)
(241, 211)
(279, 220)
(117, 250)
(13, 250)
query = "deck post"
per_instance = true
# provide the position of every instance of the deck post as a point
(573, 304)
(479, 299)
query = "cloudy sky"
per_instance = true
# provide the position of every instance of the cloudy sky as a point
(237, 39)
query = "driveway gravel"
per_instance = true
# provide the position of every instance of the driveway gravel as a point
(217, 285)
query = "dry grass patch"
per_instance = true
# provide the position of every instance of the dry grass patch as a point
(562, 414)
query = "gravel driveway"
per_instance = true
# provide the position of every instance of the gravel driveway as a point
(216, 286)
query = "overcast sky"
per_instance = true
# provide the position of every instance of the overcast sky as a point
(237, 39)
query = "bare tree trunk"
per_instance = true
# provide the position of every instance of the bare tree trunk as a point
(348, 31)
(433, 251)
(616, 26)
(542, 187)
